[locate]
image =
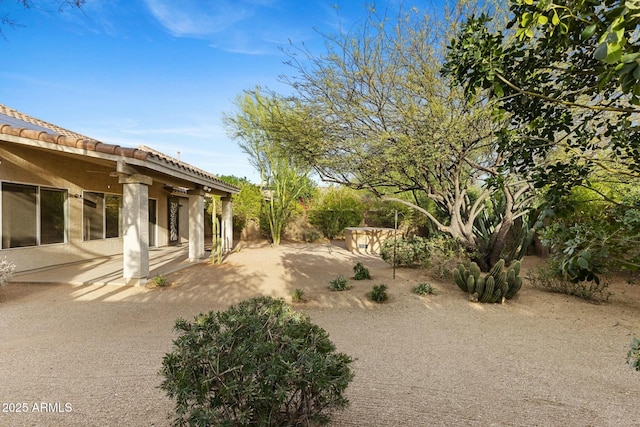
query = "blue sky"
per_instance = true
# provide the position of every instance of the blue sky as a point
(157, 72)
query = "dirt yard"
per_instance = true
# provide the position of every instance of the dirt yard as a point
(90, 355)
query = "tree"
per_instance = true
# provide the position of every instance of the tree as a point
(247, 203)
(7, 21)
(390, 123)
(566, 76)
(258, 127)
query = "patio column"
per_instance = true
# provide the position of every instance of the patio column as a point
(135, 242)
(227, 224)
(196, 225)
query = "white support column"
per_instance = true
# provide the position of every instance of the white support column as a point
(135, 240)
(196, 225)
(227, 224)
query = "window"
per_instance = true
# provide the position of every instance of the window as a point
(102, 215)
(113, 215)
(52, 216)
(32, 215)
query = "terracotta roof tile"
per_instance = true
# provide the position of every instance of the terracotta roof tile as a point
(40, 130)
(10, 112)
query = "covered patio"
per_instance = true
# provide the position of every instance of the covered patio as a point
(85, 210)
(109, 270)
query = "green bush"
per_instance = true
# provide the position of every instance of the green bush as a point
(439, 253)
(297, 295)
(361, 272)
(160, 280)
(590, 235)
(337, 209)
(550, 278)
(379, 293)
(340, 283)
(633, 356)
(409, 252)
(260, 363)
(423, 289)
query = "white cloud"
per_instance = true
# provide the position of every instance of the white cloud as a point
(250, 27)
(197, 17)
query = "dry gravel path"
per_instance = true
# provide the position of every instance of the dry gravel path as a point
(89, 355)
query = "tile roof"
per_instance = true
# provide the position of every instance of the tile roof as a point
(13, 122)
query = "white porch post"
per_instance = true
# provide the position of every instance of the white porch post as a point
(135, 240)
(227, 224)
(196, 225)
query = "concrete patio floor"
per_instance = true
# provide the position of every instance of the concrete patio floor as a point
(108, 270)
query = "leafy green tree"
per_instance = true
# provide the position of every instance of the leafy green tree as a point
(388, 122)
(247, 203)
(337, 208)
(564, 76)
(259, 126)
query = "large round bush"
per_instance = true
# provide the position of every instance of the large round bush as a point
(260, 363)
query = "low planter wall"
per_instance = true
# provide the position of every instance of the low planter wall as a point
(366, 239)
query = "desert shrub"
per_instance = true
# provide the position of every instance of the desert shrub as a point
(6, 270)
(424, 289)
(312, 236)
(337, 209)
(439, 253)
(340, 283)
(550, 278)
(160, 280)
(590, 235)
(379, 293)
(259, 363)
(633, 356)
(297, 295)
(408, 251)
(361, 272)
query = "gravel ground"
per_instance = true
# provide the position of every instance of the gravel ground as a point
(90, 355)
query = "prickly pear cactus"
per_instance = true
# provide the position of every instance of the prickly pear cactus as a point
(495, 287)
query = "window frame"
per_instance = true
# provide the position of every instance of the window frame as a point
(120, 221)
(37, 213)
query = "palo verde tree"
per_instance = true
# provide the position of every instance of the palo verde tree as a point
(390, 123)
(565, 75)
(256, 125)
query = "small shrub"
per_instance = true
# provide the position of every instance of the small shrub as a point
(548, 279)
(339, 284)
(6, 270)
(260, 363)
(410, 252)
(361, 272)
(379, 293)
(441, 254)
(424, 289)
(297, 295)
(633, 356)
(160, 281)
(312, 236)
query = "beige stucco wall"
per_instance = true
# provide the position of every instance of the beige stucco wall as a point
(24, 165)
(366, 239)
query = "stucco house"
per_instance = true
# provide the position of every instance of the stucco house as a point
(65, 198)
